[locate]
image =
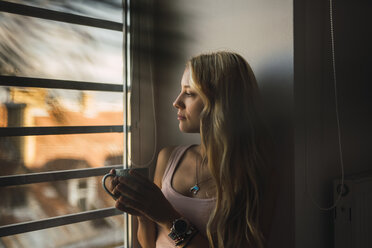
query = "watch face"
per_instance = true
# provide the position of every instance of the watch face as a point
(180, 226)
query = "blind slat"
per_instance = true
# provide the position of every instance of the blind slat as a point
(53, 15)
(57, 221)
(58, 84)
(52, 176)
(30, 131)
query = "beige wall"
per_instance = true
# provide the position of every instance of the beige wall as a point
(262, 31)
(281, 40)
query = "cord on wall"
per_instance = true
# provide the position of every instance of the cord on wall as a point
(337, 120)
(147, 164)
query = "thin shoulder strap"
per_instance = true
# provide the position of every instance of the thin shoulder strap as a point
(173, 161)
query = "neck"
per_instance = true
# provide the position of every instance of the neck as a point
(200, 150)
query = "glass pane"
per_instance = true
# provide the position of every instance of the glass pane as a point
(33, 47)
(32, 154)
(30, 107)
(100, 233)
(102, 9)
(43, 200)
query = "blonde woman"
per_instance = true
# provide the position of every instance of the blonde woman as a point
(215, 194)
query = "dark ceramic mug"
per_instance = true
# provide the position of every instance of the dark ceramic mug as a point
(123, 173)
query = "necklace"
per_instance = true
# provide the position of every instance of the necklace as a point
(195, 189)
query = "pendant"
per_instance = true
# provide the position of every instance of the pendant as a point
(194, 189)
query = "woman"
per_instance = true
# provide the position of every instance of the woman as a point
(214, 194)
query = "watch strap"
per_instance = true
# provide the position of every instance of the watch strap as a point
(177, 235)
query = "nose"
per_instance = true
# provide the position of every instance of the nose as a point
(178, 102)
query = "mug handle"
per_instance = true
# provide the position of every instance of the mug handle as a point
(104, 185)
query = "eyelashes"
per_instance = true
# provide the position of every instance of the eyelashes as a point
(188, 94)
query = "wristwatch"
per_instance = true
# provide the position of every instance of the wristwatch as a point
(181, 229)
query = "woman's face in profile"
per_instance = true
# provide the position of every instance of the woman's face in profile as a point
(189, 105)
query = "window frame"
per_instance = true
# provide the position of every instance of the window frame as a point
(31, 178)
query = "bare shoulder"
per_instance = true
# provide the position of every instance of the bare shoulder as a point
(161, 164)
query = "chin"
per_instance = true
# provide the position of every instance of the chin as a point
(185, 129)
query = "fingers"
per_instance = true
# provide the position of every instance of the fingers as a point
(141, 179)
(122, 207)
(114, 182)
(131, 182)
(130, 197)
(136, 174)
(135, 188)
(129, 192)
(128, 205)
(111, 183)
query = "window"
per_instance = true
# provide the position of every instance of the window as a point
(62, 110)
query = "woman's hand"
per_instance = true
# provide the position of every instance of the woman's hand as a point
(111, 182)
(139, 196)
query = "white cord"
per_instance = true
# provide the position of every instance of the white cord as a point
(153, 111)
(337, 119)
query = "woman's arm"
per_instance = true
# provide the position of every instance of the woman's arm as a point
(145, 199)
(197, 241)
(146, 232)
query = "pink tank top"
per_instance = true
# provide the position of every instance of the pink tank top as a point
(196, 210)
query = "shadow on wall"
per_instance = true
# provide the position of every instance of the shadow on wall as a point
(161, 38)
(276, 85)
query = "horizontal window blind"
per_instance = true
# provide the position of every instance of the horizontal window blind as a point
(58, 16)
(58, 84)
(23, 131)
(57, 221)
(9, 181)
(53, 176)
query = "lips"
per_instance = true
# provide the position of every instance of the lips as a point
(181, 117)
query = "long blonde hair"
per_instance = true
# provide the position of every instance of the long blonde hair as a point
(232, 136)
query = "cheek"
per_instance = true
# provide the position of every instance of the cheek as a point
(195, 111)
(199, 108)
(194, 107)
